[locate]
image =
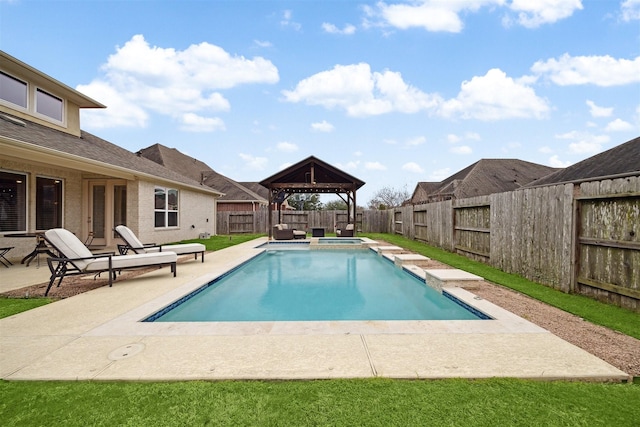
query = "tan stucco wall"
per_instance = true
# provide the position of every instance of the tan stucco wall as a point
(194, 209)
(72, 193)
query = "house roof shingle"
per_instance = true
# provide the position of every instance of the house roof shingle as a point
(484, 177)
(201, 172)
(624, 158)
(88, 151)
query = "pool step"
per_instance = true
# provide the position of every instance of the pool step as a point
(415, 259)
(441, 278)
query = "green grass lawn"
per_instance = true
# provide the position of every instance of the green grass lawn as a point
(610, 316)
(362, 402)
(371, 402)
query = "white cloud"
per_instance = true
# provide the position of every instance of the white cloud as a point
(584, 143)
(323, 126)
(545, 150)
(454, 139)
(194, 123)
(431, 15)
(462, 149)
(619, 125)
(287, 147)
(533, 13)
(262, 43)
(495, 96)
(332, 29)
(121, 112)
(597, 111)
(412, 167)
(555, 162)
(254, 163)
(349, 166)
(360, 92)
(440, 174)
(418, 140)
(630, 10)
(287, 21)
(140, 78)
(597, 70)
(375, 166)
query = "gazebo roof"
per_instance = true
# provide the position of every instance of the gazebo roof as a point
(312, 175)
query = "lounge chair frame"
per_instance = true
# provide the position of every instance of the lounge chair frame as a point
(134, 244)
(61, 267)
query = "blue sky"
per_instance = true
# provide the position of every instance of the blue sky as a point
(393, 92)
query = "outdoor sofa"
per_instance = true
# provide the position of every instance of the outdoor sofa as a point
(283, 232)
(134, 244)
(75, 259)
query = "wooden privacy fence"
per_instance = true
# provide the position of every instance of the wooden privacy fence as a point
(579, 237)
(370, 221)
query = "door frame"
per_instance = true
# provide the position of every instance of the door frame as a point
(109, 204)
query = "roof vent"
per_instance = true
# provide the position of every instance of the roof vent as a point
(12, 120)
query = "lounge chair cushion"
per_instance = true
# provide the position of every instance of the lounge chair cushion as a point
(132, 240)
(129, 261)
(183, 248)
(70, 246)
(129, 237)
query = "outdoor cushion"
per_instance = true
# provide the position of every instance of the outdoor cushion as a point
(134, 243)
(70, 246)
(183, 248)
(130, 261)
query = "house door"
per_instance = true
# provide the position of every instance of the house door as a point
(107, 207)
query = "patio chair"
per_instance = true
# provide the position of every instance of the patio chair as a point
(75, 258)
(134, 244)
(345, 232)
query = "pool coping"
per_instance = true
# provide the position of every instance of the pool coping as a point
(97, 336)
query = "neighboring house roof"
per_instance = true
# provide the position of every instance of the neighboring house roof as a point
(197, 170)
(623, 159)
(31, 141)
(257, 188)
(233, 191)
(486, 176)
(175, 160)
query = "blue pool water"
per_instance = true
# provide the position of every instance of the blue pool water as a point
(315, 285)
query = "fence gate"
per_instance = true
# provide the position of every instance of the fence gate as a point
(608, 248)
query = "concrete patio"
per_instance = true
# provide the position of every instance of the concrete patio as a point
(98, 335)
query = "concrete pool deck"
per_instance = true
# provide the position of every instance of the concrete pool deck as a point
(97, 336)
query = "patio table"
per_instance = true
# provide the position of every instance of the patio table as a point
(41, 246)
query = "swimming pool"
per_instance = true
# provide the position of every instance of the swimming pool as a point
(293, 285)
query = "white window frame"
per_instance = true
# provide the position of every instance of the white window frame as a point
(26, 196)
(166, 210)
(35, 198)
(11, 104)
(63, 106)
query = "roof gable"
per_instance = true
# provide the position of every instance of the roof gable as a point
(312, 175)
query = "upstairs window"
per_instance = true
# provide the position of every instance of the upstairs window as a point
(166, 207)
(13, 201)
(13, 90)
(48, 203)
(49, 105)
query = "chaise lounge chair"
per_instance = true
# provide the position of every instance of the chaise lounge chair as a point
(134, 244)
(75, 258)
(345, 232)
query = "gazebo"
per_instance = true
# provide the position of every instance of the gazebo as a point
(315, 176)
